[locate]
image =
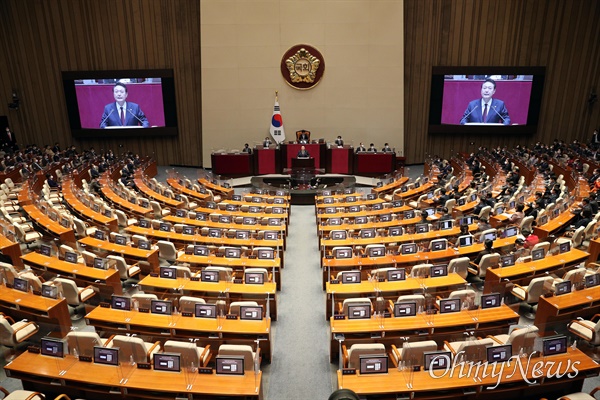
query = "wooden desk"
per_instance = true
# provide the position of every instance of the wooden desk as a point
(390, 187)
(107, 281)
(594, 250)
(174, 288)
(145, 189)
(563, 220)
(227, 192)
(241, 213)
(94, 381)
(523, 273)
(208, 331)
(85, 212)
(175, 184)
(232, 164)
(120, 202)
(362, 213)
(559, 310)
(44, 223)
(126, 251)
(409, 194)
(480, 384)
(214, 224)
(36, 308)
(11, 249)
(359, 202)
(337, 292)
(423, 326)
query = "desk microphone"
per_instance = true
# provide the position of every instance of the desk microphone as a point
(470, 112)
(105, 118)
(136, 117)
(496, 111)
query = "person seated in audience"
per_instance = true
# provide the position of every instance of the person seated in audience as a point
(94, 173)
(247, 149)
(443, 197)
(360, 148)
(51, 182)
(519, 250)
(483, 225)
(518, 216)
(533, 210)
(487, 249)
(423, 216)
(339, 142)
(95, 186)
(531, 239)
(386, 148)
(303, 153)
(445, 215)
(372, 148)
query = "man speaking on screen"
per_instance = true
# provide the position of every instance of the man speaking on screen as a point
(486, 109)
(121, 112)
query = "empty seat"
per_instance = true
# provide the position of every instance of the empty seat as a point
(470, 349)
(143, 300)
(242, 350)
(12, 333)
(234, 307)
(191, 355)
(521, 339)
(352, 356)
(187, 304)
(83, 342)
(133, 348)
(76, 296)
(411, 353)
(125, 271)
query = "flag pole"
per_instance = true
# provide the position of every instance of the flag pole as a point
(276, 95)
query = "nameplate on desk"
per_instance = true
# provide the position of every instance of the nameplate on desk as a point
(339, 317)
(348, 371)
(231, 316)
(207, 371)
(431, 311)
(387, 315)
(238, 281)
(252, 257)
(143, 365)
(104, 304)
(219, 255)
(9, 285)
(329, 257)
(144, 310)
(187, 314)
(85, 358)
(364, 255)
(37, 292)
(334, 281)
(33, 349)
(154, 274)
(195, 279)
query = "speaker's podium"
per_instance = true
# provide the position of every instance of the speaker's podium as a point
(303, 163)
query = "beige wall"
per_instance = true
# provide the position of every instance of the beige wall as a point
(361, 95)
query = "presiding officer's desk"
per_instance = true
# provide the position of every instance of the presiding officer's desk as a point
(87, 380)
(480, 383)
(213, 331)
(368, 163)
(422, 326)
(128, 252)
(209, 291)
(34, 307)
(107, 281)
(337, 292)
(523, 273)
(557, 311)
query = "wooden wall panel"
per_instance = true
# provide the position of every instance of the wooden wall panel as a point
(39, 39)
(562, 35)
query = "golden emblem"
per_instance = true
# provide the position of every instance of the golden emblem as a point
(303, 66)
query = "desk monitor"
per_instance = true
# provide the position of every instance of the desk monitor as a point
(507, 260)
(251, 313)
(385, 217)
(436, 360)
(430, 211)
(408, 248)
(538, 254)
(236, 197)
(144, 245)
(511, 231)
(243, 235)
(177, 197)
(404, 189)
(256, 199)
(461, 202)
(100, 263)
(425, 180)
(50, 291)
(563, 288)
(274, 222)
(350, 277)
(120, 302)
(350, 199)
(359, 311)
(334, 221)
(249, 221)
(98, 234)
(342, 253)
(405, 309)
(209, 276)
(543, 220)
(231, 207)
(491, 236)
(167, 362)
(376, 251)
(65, 223)
(339, 235)
(229, 365)
(373, 364)
(121, 240)
(449, 306)
(95, 207)
(168, 272)
(233, 252)
(71, 257)
(417, 185)
(201, 216)
(254, 278)
(254, 209)
(555, 212)
(225, 219)
(367, 233)
(144, 223)
(499, 353)
(214, 232)
(490, 300)
(473, 197)
(395, 231)
(326, 193)
(397, 203)
(409, 214)
(564, 247)
(212, 205)
(446, 225)
(21, 284)
(106, 355)
(466, 220)
(328, 200)
(205, 310)
(499, 210)
(371, 196)
(466, 240)
(353, 209)
(46, 250)
(422, 228)
(181, 213)
(554, 345)
(164, 227)
(438, 245)
(360, 220)
(592, 280)
(397, 274)
(265, 254)
(330, 210)
(188, 230)
(53, 347)
(278, 200)
(438, 270)
(164, 307)
(511, 205)
(271, 235)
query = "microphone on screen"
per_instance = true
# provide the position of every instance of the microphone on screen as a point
(496, 111)
(470, 112)
(136, 117)
(105, 118)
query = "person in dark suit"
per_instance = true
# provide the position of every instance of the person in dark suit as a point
(339, 142)
(360, 148)
(303, 153)
(267, 142)
(372, 148)
(247, 149)
(121, 112)
(386, 148)
(494, 110)
(303, 138)
(8, 139)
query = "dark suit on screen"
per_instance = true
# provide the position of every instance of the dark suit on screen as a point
(497, 113)
(112, 117)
